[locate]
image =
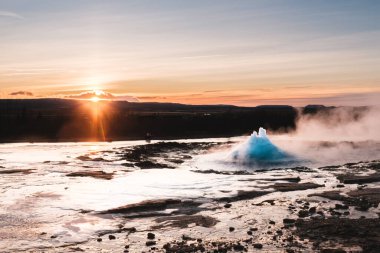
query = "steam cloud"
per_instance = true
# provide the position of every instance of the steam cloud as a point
(335, 136)
(341, 124)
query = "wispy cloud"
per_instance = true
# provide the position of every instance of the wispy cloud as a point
(102, 95)
(10, 14)
(344, 99)
(21, 93)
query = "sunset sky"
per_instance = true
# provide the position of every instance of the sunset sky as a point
(247, 53)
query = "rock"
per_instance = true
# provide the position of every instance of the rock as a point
(99, 239)
(231, 229)
(151, 236)
(303, 213)
(288, 221)
(150, 243)
(111, 237)
(272, 222)
(290, 238)
(238, 247)
(249, 233)
(339, 206)
(131, 230)
(312, 209)
(228, 205)
(257, 245)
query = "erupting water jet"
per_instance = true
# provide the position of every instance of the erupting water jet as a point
(259, 149)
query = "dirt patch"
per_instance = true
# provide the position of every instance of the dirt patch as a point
(375, 165)
(355, 179)
(153, 165)
(244, 195)
(218, 246)
(348, 232)
(363, 199)
(159, 207)
(95, 174)
(183, 221)
(240, 172)
(289, 179)
(372, 195)
(156, 155)
(285, 187)
(14, 171)
(87, 158)
(149, 205)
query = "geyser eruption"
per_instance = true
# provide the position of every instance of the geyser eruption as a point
(258, 149)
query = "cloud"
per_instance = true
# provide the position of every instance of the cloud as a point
(344, 99)
(21, 93)
(10, 15)
(152, 97)
(91, 94)
(102, 95)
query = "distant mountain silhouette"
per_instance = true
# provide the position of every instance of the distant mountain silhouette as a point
(73, 120)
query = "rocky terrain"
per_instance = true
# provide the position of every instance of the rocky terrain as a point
(300, 209)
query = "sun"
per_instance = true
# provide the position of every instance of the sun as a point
(96, 95)
(95, 99)
(98, 92)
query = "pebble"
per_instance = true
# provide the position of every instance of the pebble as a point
(151, 236)
(150, 243)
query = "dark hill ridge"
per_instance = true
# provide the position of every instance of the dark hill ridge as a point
(73, 120)
(53, 103)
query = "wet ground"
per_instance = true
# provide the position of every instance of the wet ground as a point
(183, 196)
